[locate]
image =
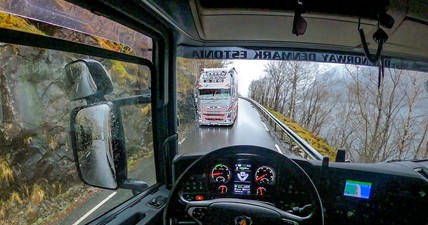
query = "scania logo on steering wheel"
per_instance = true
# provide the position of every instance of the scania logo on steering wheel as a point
(243, 220)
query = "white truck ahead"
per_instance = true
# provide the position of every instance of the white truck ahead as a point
(217, 96)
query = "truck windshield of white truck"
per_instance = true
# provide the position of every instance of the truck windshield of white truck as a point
(203, 93)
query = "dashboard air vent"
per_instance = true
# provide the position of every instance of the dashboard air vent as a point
(422, 171)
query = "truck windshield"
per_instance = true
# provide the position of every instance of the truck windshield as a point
(331, 106)
(205, 92)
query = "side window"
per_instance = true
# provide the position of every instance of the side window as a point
(39, 183)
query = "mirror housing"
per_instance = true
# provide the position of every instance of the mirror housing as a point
(99, 145)
(87, 79)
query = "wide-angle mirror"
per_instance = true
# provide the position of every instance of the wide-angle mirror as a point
(92, 145)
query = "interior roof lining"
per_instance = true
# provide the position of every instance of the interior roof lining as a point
(361, 8)
(199, 14)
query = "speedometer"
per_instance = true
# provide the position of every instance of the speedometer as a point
(265, 175)
(220, 173)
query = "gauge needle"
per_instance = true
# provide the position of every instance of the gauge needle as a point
(261, 177)
(215, 174)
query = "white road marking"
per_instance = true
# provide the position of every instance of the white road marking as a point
(95, 208)
(265, 127)
(277, 148)
(181, 142)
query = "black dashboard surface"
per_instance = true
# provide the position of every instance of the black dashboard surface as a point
(383, 193)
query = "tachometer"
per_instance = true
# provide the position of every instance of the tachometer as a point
(265, 175)
(220, 173)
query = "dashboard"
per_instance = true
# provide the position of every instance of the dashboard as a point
(371, 193)
(384, 193)
(246, 177)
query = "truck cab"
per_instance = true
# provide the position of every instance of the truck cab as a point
(99, 123)
(217, 98)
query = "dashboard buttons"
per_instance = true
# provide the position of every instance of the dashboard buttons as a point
(193, 186)
(157, 202)
(199, 213)
(265, 175)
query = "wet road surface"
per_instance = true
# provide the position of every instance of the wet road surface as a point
(248, 129)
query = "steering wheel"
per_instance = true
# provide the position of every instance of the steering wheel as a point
(238, 211)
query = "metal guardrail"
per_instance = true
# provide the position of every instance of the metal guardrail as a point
(309, 152)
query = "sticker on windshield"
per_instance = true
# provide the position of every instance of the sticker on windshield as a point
(290, 55)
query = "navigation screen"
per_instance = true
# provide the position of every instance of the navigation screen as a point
(357, 189)
(242, 175)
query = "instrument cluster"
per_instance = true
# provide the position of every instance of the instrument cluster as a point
(241, 178)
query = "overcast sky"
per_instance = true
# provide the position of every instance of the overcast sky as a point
(248, 70)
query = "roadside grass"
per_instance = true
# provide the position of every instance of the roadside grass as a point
(37, 195)
(147, 110)
(316, 142)
(74, 198)
(6, 172)
(34, 203)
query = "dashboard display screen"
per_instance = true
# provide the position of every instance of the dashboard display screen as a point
(357, 189)
(242, 175)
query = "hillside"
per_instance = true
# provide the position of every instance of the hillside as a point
(316, 142)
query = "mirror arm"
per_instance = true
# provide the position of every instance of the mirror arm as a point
(139, 99)
(137, 186)
(95, 99)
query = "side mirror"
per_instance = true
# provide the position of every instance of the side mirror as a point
(87, 79)
(97, 130)
(98, 145)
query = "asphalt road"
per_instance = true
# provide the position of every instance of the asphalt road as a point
(248, 129)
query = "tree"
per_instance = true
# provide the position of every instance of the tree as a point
(276, 72)
(316, 102)
(347, 108)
